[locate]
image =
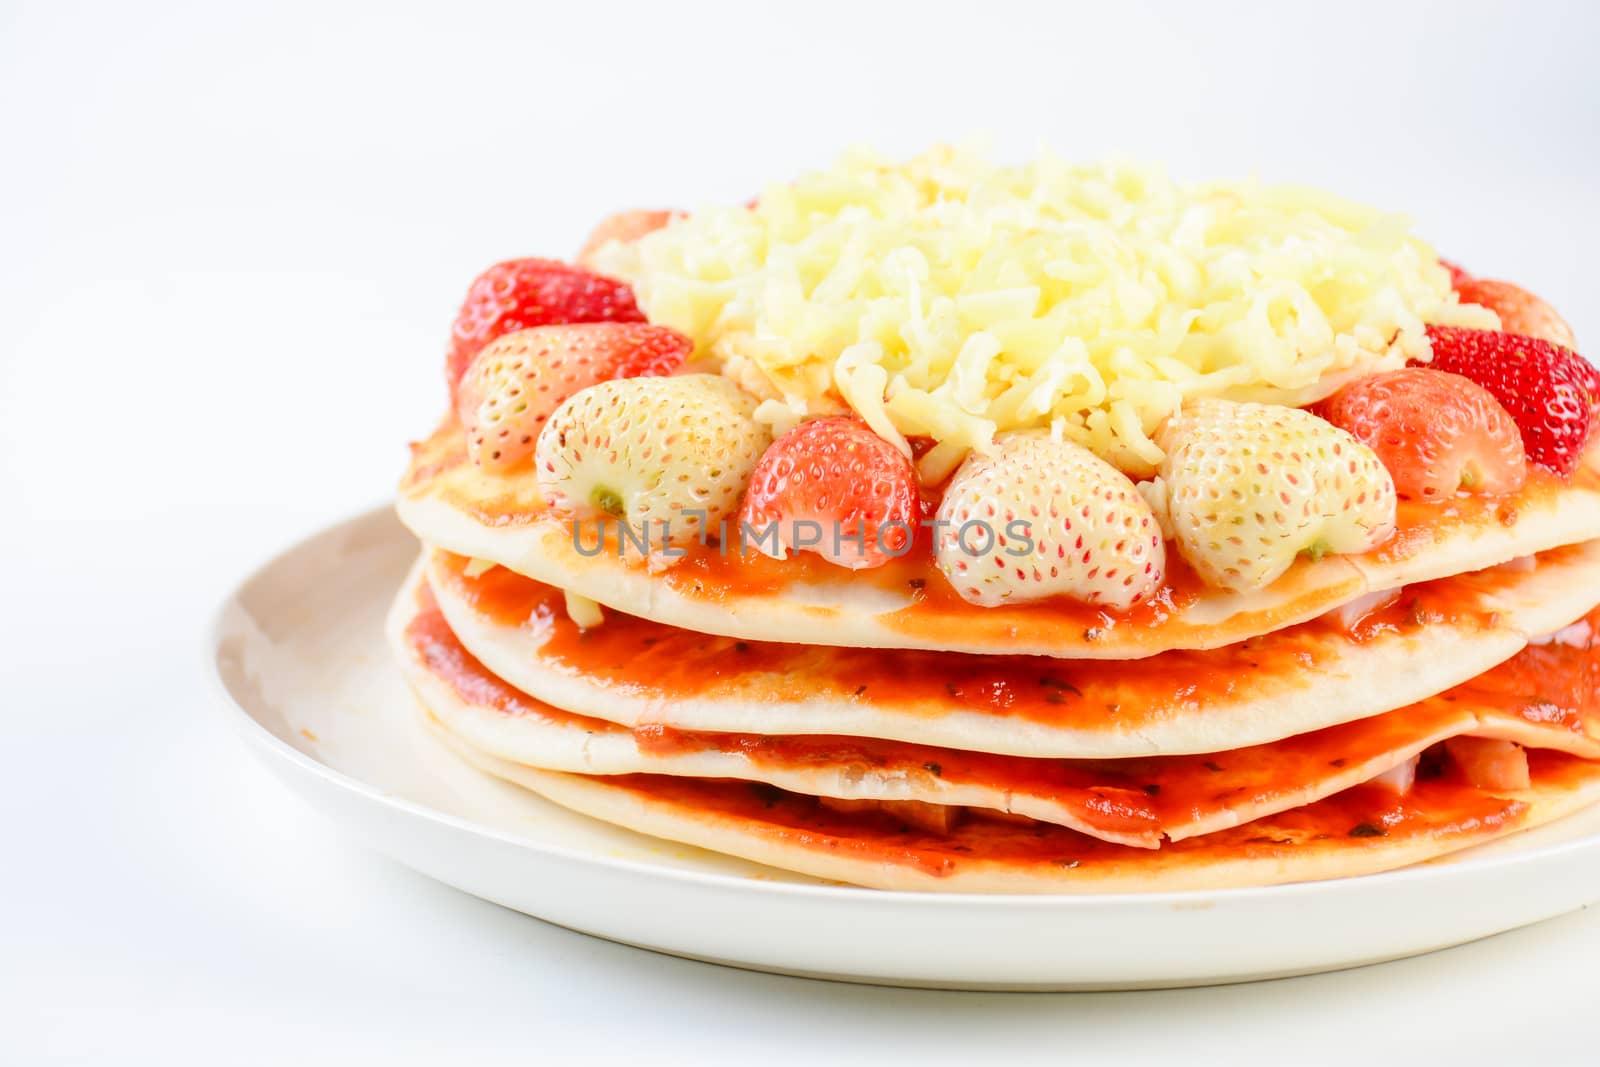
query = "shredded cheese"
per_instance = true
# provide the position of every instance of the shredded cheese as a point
(585, 614)
(952, 298)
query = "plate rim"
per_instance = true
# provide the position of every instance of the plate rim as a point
(264, 741)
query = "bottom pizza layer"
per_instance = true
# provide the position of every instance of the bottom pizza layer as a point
(1362, 830)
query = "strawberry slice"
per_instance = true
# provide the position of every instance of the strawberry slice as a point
(520, 293)
(517, 380)
(1519, 310)
(833, 487)
(1551, 392)
(1436, 432)
(1458, 276)
(626, 227)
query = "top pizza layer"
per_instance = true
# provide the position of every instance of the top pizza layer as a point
(1075, 398)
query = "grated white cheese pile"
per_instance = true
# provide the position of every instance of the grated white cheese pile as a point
(951, 298)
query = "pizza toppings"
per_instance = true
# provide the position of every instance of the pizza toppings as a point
(1489, 763)
(668, 457)
(954, 298)
(624, 227)
(1576, 635)
(1520, 311)
(520, 293)
(585, 614)
(1459, 276)
(1551, 392)
(1038, 517)
(1242, 488)
(517, 380)
(1437, 433)
(1352, 613)
(833, 487)
(1400, 778)
(932, 818)
(1252, 486)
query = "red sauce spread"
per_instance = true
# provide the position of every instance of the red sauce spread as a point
(1420, 526)
(707, 573)
(1553, 685)
(1092, 791)
(1437, 807)
(638, 655)
(712, 573)
(436, 648)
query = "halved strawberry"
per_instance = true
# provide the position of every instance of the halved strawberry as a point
(624, 226)
(834, 487)
(1436, 432)
(518, 379)
(1551, 392)
(1519, 310)
(520, 293)
(1458, 276)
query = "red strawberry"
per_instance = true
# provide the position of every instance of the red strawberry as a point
(520, 293)
(1519, 310)
(1550, 391)
(624, 226)
(1458, 277)
(1591, 382)
(834, 483)
(1435, 432)
(517, 380)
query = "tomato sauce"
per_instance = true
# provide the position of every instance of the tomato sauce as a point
(637, 655)
(1553, 686)
(714, 573)
(437, 648)
(1441, 807)
(1420, 526)
(709, 574)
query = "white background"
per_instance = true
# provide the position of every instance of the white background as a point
(233, 237)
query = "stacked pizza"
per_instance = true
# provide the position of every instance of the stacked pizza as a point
(1284, 566)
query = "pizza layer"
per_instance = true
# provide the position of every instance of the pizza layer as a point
(449, 503)
(1292, 681)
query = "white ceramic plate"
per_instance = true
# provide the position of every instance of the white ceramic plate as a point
(299, 650)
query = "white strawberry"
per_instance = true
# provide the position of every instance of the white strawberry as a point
(515, 382)
(1037, 517)
(1251, 486)
(668, 456)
